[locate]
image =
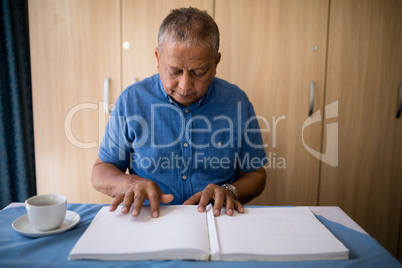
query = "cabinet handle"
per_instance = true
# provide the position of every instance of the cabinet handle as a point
(106, 94)
(312, 90)
(398, 113)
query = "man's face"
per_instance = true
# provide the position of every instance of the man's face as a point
(186, 71)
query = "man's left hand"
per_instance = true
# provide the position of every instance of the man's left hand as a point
(220, 195)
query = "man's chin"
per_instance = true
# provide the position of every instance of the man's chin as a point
(185, 100)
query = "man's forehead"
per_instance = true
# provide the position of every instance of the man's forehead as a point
(187, 50)
(201, 67)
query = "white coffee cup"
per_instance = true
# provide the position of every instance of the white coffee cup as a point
(47, 211)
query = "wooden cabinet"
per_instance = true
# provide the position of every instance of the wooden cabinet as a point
(267, 51)
(364, 69)
(272, 50)
(75, 45)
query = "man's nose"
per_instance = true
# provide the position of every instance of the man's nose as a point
(185, 82)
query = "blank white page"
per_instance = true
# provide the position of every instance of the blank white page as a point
(286, 233)
(180, 232)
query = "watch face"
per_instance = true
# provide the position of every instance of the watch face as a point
(232, 189)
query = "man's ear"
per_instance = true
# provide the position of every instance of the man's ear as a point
(217, 60)
(157, 58)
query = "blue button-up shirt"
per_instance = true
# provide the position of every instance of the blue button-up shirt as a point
(182, 148)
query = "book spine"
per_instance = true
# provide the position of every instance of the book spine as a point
(214, 248)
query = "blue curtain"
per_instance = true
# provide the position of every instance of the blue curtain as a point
(17, 161)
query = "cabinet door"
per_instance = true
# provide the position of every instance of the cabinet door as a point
(75, 45)
(140, 24)
(364, 70)
(267, 51)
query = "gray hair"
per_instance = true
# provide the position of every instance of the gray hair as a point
(189, 26)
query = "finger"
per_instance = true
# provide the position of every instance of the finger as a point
(138, 201)
(238, 206)
(127, 202)
(229, 204)
(153, 198)
(206, 195)
(219, 199)
(116, 202)
(166, 198)
(193, 199)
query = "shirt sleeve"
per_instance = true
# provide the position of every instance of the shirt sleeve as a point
(116, 146)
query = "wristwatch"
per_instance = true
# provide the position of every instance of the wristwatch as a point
(233, 189)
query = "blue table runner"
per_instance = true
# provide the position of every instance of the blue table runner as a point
(52, 251)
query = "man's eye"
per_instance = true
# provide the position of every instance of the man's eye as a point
(199, 74)
(175, 72)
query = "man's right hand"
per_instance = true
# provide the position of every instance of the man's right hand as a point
(128, 189)
(135, 194)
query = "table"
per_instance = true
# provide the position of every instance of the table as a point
(52, 251)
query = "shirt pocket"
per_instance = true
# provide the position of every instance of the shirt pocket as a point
(219, 159)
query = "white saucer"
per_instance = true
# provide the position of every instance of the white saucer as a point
(23, 226)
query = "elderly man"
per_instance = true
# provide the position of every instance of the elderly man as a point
(185, 136)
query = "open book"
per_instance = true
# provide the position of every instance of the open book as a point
(181, 232)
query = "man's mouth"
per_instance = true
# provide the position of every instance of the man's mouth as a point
(183, 96)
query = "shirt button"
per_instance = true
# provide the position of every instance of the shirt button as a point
(219, 144)
(186, 111)
(185, 145)
(184, 177)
